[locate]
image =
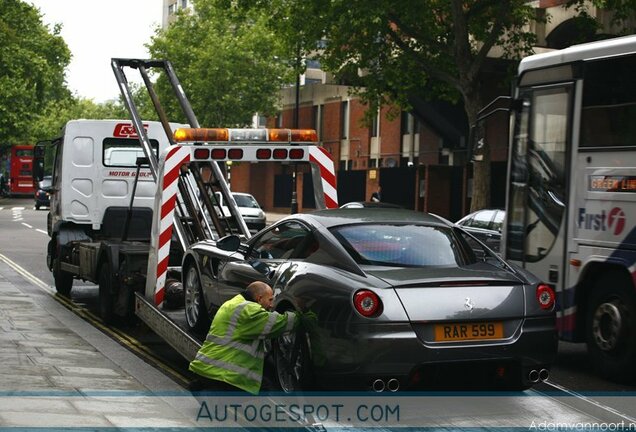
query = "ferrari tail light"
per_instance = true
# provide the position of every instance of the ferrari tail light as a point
(367, 303)
(545, 296)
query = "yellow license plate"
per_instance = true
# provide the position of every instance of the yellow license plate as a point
(469, 331)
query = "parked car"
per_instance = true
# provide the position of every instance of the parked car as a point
(43, 193)
(389, 298)
(486, 225)
(369, 204)
(251, 211)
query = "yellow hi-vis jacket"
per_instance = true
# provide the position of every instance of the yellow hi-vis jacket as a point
(233, 351)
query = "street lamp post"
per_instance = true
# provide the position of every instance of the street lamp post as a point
(294, 197)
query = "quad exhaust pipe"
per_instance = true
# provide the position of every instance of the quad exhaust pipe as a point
(538, 375)
(392, 385)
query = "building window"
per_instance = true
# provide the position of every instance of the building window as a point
(407, 123)
(375, 125)
(184, 4)
(172, 9)
(312, 64)
(344, 120)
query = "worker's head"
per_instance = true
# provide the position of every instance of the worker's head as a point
(262, 294)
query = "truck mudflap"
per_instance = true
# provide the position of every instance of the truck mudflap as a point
(176, 337)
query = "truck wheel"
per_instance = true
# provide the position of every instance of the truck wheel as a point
(611, 327)
(106, 297)
(291, 357)
(63, 280)
(196, 313)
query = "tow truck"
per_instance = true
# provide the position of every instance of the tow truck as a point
(129, 198)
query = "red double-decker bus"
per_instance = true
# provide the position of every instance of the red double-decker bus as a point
(21, 169)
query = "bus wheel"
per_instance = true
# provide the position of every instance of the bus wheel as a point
(63, 280)
(611, 327)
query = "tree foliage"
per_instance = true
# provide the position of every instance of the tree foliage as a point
(393, 50)
(622, 17)
(33, 59)
(228, 64)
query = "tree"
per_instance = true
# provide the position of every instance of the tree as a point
(32, 63)
(227, 64)
(50, 122)
(393, 50)
(622, 14)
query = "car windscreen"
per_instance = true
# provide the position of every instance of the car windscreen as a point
(247, 201)
(400, 245)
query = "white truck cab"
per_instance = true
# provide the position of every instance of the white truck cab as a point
(95, 168)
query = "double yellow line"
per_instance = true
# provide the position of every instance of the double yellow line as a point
(124, 339)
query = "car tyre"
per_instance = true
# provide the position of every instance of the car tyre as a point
(196, 314)
(292, 362)
(106, 297)
(37, 206)
(63, 280)
(611, 327)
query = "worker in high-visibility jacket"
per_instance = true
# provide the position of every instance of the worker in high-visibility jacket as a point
(233, 350)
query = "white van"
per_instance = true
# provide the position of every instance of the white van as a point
(249, 208)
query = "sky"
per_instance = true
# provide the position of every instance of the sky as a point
(96, 31)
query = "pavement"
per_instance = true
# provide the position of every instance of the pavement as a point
(56, 370)
(273, 217)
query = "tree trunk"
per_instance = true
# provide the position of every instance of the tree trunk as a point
(481, 168)
(481, 181)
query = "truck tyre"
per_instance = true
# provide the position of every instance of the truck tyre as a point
(63, 280)
(197, 318)
(106, 297)
(611, 327)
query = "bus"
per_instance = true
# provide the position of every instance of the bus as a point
(571, 193)
(20, 170)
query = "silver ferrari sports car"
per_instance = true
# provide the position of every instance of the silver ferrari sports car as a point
(389, 299)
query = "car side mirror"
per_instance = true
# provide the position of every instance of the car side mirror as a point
(229, 243)
(37, 170)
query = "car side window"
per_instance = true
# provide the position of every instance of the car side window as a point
(467, 222)
(498, 220)
(482, 219)
(280, 241)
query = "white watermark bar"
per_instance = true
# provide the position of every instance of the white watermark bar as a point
(227, 410)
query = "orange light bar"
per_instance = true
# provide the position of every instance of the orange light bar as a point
(201, 134)
(279, 135)
(303, 135)
(293, 135)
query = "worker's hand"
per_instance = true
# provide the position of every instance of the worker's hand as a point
(308, 320)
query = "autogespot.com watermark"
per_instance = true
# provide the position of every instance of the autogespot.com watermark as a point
(582, 426)
(287, 413)
(206, 410)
